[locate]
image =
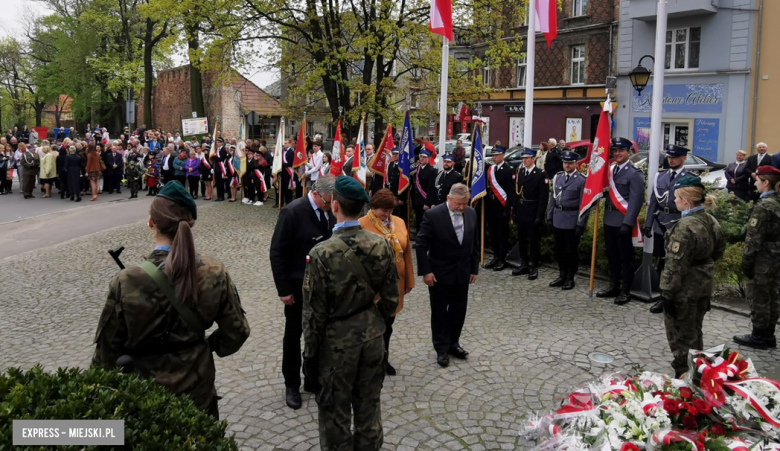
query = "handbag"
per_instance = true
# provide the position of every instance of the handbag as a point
(102, 165)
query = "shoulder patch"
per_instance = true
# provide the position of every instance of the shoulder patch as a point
(753, 222)
(307, 282)
(676, 246)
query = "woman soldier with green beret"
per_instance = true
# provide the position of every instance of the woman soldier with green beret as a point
(761, 261)
(157, 313)
(693, 244)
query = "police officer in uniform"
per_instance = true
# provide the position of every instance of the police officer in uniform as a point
(563, 215)
(500, 197)
(618, 227)
(761, 261)
(393, 180)
(444, 180)
(350, 288)
(532, 192)
(661, 211)
(423, 190)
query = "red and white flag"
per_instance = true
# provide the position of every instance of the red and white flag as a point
(597, 182)
(338, 158)
(441, 18)
(546, 19)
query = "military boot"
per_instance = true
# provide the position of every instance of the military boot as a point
(533, 272)
(389, 369)
(754, 340)
(501, 265)
(568, 284)
(522, 270)
(658, 307)
(612, 291)
(623, 298)
(560, 280)
(493, 262)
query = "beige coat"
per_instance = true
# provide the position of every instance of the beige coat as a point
(404, 266)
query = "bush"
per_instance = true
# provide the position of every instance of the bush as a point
(728, 270)
(732, 213)
(154, 417)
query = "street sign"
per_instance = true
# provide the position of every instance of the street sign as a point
(252, 118)
(130, 112)
(514, 108)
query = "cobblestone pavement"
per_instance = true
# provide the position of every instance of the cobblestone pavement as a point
(529, 344)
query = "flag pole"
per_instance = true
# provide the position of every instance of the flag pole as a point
(482, 236)
(593, 252)
(302, 178)
(445, 62)
(530, 53)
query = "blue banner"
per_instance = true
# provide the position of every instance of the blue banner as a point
(699, 98)
(406, 153)
(705, 138)
(478, 187)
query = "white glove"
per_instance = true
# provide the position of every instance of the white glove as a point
(212, 172)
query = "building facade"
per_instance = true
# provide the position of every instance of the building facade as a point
(707, 88)
(570, 78)
(765, 79)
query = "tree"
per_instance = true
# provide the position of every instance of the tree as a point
(16, 68)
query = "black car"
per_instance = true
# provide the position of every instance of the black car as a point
(512, 157)
(693, 163)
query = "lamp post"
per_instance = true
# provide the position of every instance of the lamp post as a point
(640, 75)
(645, 285)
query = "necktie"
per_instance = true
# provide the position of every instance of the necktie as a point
(674, 175)
(760, 157)
(457, 221)
(615, 171)
(567, 178)
(323, 222)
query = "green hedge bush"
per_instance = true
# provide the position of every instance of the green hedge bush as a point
(154, 417)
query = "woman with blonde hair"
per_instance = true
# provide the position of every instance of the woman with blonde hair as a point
(380, 220)
(693, 245)
(761, 261)
(48, 170)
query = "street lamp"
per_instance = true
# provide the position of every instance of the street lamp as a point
(640, 75)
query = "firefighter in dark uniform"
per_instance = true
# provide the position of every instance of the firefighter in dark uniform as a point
(531, 195)
(618, 227)
(500, 197)
(444, 181)
(563, 216)
(393, 181)
(423, 189)
(661, 211)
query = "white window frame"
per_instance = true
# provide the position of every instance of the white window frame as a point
(522, 68)
(486, 74)
(671, 48)
(579, 60)
(579, 8)
(525, 17)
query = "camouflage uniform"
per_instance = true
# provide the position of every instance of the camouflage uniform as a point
(133, 175)
(343, 327)
(693, 244)
(139, 321)
(761, 257)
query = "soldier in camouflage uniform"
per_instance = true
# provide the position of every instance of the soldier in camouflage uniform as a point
(693, 244)
(133, 175)
(761, 261)
(350, 288)
(139, 321)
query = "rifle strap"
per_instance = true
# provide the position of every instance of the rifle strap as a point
(191, 319)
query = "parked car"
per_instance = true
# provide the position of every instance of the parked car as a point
(450, 145)
(710, 172)
(463, 137)
(584, 148)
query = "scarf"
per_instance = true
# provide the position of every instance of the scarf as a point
(388, 233)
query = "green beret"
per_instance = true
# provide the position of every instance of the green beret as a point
(351, 189)
(689, 180)
(175, 191)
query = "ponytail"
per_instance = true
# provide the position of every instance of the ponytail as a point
(175, 222)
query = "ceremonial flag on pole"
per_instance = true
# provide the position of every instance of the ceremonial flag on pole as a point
(441, 18)
(378, 162)
(359, 170)
(276, 167)
(406, 154)
(338, 144)
(547, 19)
(300, 158)
(478, 186)
(597, 182)
(214, 146)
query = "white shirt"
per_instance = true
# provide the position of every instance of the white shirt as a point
(760, 157)
(313, 168)
(315, 207)
(165, 162)
(621, 166)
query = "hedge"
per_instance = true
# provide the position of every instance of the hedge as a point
(154, 417)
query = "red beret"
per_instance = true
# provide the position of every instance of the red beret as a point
(766, 170)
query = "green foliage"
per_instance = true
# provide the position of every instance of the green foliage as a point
(732, 214)
(154, 417)
(728, 270)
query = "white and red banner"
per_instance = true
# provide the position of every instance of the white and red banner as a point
(260, 177)
(546, 19)
(441, 18)
(338, 160)
(495, 187)
(205, 163)
(637, 238)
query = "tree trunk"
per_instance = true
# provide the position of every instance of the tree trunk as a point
(148, 74)
(196, 78)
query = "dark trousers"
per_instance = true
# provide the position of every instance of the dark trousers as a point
(219, 183)
(448, 313)
(620, 253)
(287, 193)
(28, 181)
(388, 332)
(498, 232)
(566, 245)
(741, 193)
(529, 239)
(402, 212)
(133, 185)
(181, 179)
(112, 181)
(64, 184)
(203, 187)
(249, 188)
(659, 251)
(418, 217)
(293, 330)
(6, 186)
(193, 182)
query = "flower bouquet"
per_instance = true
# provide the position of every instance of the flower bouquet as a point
(720, 404)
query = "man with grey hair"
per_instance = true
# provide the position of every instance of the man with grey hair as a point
(448, 259)
(760, 158)
(302, 223)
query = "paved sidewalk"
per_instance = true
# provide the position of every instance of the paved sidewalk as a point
(529, 343)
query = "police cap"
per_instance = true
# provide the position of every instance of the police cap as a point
(499, 149)
(676, 151)
(569, 157)
(622, 143)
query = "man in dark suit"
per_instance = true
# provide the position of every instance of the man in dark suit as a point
(760, 158)
(166, 165)
(448, 259)
(532, 192)
(393, 182)
(629, 183)
(501, 187)
(423, 188)
(444, 181)
(349, 154)
(288, 173)
(302, 223)
(114, 169)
